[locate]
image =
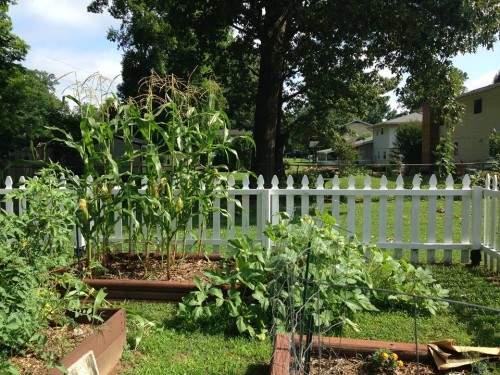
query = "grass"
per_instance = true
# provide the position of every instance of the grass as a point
(467, 325)
(213, 347)
(185, 347)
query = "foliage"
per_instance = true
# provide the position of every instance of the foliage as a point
(163, 183)
(284, 55)
(496, 79)
(408, 144)
(444, 153)
(27, 105)
(494, 144)
(32, 245)
(12, 48)
(344, 150)
(265, 285)
(383, 361)
(44, 224)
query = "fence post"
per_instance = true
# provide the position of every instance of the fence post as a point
(266, 212)
(477, 203)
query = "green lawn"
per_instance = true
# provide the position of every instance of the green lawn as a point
(213, 347)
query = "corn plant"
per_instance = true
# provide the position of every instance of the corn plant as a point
(176, 123)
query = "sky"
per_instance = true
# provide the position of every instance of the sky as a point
(71, 43)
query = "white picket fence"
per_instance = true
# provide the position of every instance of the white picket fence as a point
(431, 214)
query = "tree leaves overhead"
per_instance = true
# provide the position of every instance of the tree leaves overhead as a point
(276, 51)
(12, 48)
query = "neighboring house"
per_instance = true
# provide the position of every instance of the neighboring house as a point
(365, 149)
(356, 130)
(384, 135)
(481, 116)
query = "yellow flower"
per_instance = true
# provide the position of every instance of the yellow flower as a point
(394, 356)
(400, 363)
(24, 244)
(384, 356)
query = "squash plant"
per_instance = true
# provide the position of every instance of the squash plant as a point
(268, 286)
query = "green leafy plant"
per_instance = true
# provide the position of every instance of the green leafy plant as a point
(171, 178)
(383, 361)
(32, 245)
(444, 153)
(266, 284)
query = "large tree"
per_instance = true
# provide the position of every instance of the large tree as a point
(12, 48)
(295, 46)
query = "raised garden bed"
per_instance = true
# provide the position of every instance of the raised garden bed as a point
(344, 347)
(107, 343)
(148, 289)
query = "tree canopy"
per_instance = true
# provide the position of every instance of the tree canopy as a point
(276, 51)
(12, 48)
(27, 100)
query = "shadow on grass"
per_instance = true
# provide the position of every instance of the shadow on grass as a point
(214, 325)
(258, 369)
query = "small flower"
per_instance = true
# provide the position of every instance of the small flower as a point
(24, 244)
(400, 363)
(394, 356)
(384, 356)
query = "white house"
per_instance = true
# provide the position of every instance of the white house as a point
(481, 116)
(384, 135)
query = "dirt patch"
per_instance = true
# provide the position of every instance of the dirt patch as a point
(156, 269)
(351, 366)
(61, 341)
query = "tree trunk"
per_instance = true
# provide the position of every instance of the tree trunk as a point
(268, 93)
(430, 133)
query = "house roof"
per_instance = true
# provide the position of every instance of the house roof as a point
(362, 142)
(401, 119)
(479, 90)
(325, 151)
(357, 122)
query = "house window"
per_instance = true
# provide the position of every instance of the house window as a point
(455, 149)
(385, 155)
(478, 106)
(378, 155)
(382, 132)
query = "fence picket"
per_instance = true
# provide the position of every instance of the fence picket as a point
(466, 214)
(351, 208)
(9, 204)
(431, 219)
(415, 217)
(382, 212)
(448, 220)
(367, 212)
(336, 199)
(398, 227)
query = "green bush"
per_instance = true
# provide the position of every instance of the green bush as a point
(266, 285)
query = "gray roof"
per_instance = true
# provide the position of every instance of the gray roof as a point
(479, 90)
(357, 122)
(362, 142)
(402, 119)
